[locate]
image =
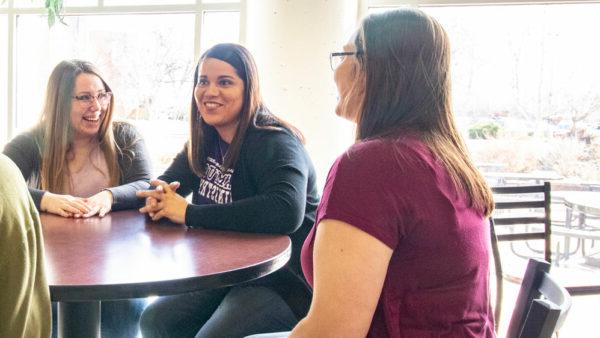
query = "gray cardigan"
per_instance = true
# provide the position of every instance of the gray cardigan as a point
(134, 163)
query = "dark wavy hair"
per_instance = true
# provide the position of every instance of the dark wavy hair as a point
(254, 113)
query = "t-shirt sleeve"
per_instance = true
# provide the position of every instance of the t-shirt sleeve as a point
(362, 190)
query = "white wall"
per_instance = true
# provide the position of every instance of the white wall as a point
(291, 41)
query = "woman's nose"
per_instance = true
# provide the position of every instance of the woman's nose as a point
(212, 90)
(95, 104)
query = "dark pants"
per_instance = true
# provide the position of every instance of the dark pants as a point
(119, 318)
(230, 312)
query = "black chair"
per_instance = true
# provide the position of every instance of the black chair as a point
(525, 197)
(542, 304)
(519, 198)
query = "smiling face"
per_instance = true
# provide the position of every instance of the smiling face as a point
(219, 96)
(86, 118)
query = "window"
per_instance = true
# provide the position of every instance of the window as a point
(150, 72)
(3, 80)
(219, 1)
(144, 2)
(27, 3)
(532, 83)
(40, 3)
(217, 28)
(146, 68)
(74, 3)
(525, 85)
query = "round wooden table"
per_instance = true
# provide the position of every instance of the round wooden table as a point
(126, 255)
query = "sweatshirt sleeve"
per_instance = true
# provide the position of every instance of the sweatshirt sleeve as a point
(135, 165)
(25, 153)
(180, 171)
(278, 166)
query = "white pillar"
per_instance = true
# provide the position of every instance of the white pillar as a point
(291, 41)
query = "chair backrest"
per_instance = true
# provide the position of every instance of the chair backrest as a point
(542, 304)
(528, 198)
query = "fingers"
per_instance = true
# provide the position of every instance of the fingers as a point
(158, 215)
(174, 185)
(150, 193)
(74, 210)
(78, 205)
(144, 210)
(94, 210)
(103, 212)
(157, 182)
(61, 212)
(152, 202)
(152, 205)
(166, 188)
(161, 188)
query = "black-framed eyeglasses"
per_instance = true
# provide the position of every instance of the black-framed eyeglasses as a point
(86, 100)
(336, 58)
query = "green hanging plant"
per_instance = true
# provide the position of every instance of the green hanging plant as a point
(54, 8)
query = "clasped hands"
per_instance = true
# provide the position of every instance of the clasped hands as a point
(70, 206)
(164, 202)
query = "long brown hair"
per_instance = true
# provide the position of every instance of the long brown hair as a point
(55, 134)
(404, 56)
(254, 113)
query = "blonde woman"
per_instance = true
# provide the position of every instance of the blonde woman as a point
(79, 163)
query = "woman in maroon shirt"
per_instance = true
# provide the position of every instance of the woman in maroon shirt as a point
(400, 247)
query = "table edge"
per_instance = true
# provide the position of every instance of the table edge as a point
(79, 293)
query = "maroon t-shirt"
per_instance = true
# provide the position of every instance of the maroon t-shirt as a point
(437, 280)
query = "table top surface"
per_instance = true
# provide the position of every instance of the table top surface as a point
(126, 255)
(535, 175)
(585, 201)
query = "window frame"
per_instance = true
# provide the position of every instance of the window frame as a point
(365, 5)
(391, 3)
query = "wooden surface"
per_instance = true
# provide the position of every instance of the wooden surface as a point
(125, 255)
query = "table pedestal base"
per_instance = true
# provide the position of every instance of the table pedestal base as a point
(79, 319)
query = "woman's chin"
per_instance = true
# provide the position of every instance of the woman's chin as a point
(343, 113)
(86, 133)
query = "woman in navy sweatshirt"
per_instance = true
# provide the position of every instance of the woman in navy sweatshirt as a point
(248, 171)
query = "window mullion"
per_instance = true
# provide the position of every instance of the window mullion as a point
(10, 76)
(198, 18)
(243, 20)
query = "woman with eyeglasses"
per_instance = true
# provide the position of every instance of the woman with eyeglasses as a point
(400, 246)
(78, 162)
(247, 170)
